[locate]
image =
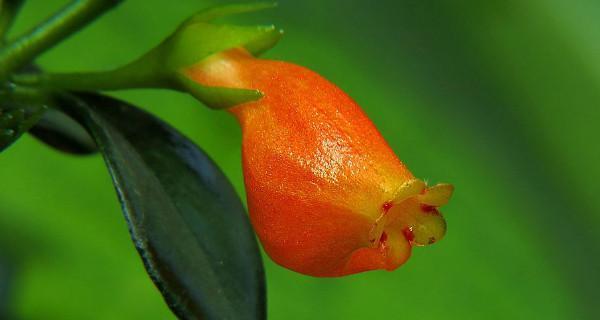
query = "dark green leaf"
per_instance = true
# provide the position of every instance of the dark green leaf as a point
(58, 130)
(185, 218)
(63, 133)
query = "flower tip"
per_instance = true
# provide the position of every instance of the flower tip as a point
(437, 195)
(429, 227)
(415, 212)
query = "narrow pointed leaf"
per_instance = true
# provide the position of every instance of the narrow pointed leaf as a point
(218, 97)
(185, 218)
(196, 41)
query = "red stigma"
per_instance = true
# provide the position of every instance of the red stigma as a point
(408, 234)
(387, 206)
(428, 208)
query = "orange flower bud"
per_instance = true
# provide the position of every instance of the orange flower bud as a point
(326, 194)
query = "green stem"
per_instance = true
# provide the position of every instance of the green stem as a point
(8, 12)
(128, 77)
(70, 19)
(148, 71)
(23, 95)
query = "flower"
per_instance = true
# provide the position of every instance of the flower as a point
(326, 194)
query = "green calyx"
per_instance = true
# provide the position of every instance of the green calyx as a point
(217, 97)
(198, 38)
(162, 67)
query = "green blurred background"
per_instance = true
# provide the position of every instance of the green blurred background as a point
(500, 98)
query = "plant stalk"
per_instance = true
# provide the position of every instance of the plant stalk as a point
(88, 81)
(56, 28)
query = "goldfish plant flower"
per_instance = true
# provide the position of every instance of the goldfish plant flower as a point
(326, 194)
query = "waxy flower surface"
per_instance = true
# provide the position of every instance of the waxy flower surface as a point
(326, 194)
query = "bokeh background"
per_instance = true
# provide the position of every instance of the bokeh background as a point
(500, 98)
